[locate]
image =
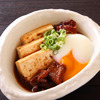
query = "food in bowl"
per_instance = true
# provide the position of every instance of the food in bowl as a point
(10, 40)
(50, 55)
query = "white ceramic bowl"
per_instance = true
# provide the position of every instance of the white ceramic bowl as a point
(11, 36)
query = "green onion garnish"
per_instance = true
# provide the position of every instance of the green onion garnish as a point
(53, 40)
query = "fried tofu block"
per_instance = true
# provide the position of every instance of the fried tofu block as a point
(35, 34)
(29, 48)
(29, 65)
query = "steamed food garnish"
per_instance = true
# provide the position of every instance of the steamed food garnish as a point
(50, 55)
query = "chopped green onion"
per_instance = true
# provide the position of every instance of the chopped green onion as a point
(57, 47)
(53, 40)
(47, 33)
(60, 39)
(43, 47)
(55, 52)
(62, 32)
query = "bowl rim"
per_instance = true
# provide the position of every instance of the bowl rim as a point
(3, 38)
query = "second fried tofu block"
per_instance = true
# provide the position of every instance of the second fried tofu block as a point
(35, 34)
(30, 65)
(29, 48)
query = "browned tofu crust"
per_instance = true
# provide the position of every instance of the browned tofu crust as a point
(35, 34)
(29, 48)
(30, 65)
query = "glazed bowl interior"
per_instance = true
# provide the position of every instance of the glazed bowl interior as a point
(11, 38)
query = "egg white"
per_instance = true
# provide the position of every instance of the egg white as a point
(80, 45)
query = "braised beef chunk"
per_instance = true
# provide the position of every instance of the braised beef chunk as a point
(56, 73)
(70, 23)
(69, 26)
(39, 77)
(46, 85)
(43, 80)
(40, 81)
(48, 78)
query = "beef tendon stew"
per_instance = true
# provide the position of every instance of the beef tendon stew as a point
(50, 55)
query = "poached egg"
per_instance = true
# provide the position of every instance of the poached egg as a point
(74, 54)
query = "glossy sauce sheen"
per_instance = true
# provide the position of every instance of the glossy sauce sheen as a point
(72, 66)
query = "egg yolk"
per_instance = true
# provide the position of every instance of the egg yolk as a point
(72, 66)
